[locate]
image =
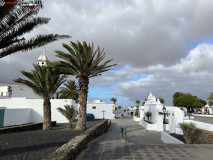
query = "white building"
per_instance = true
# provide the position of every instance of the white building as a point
(20, 105)
(11, 89)
(174, 116)
(100, 109)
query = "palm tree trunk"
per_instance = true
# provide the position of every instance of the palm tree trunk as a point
(69, 125)
(47, 115)
(83, 85)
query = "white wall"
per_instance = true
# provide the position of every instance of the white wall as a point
(154, 109)
(166, 138)
(176, 116)
(23, 91)
(37, 107)
(3, 91)
(201, 125)
(20, 90)
(17, 116)
(108, 108)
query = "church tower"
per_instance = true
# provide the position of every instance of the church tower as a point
(43, 60)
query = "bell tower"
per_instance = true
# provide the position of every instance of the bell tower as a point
(43, 59)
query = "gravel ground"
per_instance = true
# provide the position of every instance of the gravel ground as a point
(36, 144)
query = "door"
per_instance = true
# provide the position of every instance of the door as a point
(1, 117)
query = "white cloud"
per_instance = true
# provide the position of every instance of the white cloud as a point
(146, 36)
(192, 74)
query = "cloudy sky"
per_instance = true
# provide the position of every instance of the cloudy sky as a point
(161, 46)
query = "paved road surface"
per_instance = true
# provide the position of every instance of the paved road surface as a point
(203, 119)
(142, 144)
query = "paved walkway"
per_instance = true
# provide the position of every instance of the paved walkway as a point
(142, 144)
(203, 119)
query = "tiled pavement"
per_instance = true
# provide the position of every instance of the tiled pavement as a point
(108, 151)
(142, 144)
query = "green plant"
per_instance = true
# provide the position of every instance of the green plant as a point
(137, 102)
(70, 92)
(15, 22)
(114, 100)
(69, 112)
(161, 100)
(44, 81)
(136, 112)
(83, 62)
(184, 125)
(148, 115)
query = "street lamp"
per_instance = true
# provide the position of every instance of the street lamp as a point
(164, 113)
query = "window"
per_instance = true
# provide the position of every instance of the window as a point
(42, 63)
(1, 93)
(94, 107)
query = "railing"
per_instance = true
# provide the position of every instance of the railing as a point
(123, 133)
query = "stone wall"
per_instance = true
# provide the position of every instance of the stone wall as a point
(72, 149)
(25, 127)
(197, 136)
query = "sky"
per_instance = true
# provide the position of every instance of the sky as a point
(160, 46)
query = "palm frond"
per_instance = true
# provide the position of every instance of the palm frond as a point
(69, 112)
(44, 81)
(26, 45)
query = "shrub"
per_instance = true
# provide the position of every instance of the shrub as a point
(184, 125)
(136, 113)
(148, 114)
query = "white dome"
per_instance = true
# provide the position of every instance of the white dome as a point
(43, 59)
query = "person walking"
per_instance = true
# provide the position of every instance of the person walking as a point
(122, 116)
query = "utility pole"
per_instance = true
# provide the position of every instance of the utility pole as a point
(103, 113)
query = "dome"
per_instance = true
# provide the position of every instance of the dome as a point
(43, 59)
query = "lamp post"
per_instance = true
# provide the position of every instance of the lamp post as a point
(164, 113)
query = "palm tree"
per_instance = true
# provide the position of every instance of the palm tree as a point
(84, 63)
(114, 100)
(69, 112)
(15, 22)
(70, 92)
(43, 81)
(144, 101)
(137, 107)
(119, 107)
(137, 102)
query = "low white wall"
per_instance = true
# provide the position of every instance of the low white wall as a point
(136, 118)
(37, 107)
(147, 125)
(166, 138)
(187, 117)
(17, 116)
(165, 127)
(203, 115)
(201, 125)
